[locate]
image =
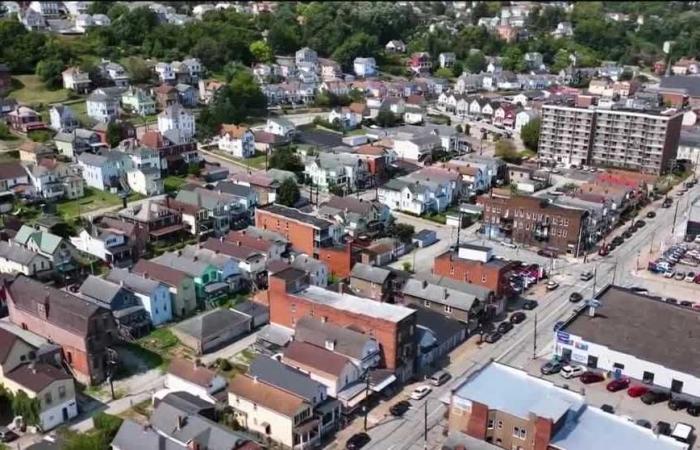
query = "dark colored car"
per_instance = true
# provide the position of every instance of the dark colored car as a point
(356, 441)
(627, 234)
(694, 409)
(663, 428)
(686, 303)
(654, 397)
(643, 423)
(618, 240)
(530, 304)
(558, 325)
(651, 214)
(618, 385)
(398, 409)
(671, 300)
(7, 435)
(493, 337)
(575, 297)
(504, 327)
(678, 403)
(608, 409)
(639, 290)
(551, 367)
(517, 317)
(591, 377)
(639, 224)
(547, 253)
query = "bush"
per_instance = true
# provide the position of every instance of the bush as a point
(107, 424)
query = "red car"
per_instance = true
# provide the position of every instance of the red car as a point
(637, 391)
(618, 385)
(591, 377)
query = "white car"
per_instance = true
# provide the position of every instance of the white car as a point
(669, 274)
(508, 244)
(571, 371)
(552, 285)
(420, 392)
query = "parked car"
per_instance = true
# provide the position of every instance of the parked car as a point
(590, 377)
(651, 215)
(618, 385)
(575, 297)
(676, 404)
(530, 304)
(558, 325)
(680, 276)
(627, 234)
(440, 377)
(671, 300)
(398, 409)
(508, 244)
(357, 441)
(571, 371)
(617, 240)
(653, 397)
(7, 435)
(492, 338)
(686, 303)
(420, 392)
(694, 409)
(551, 367)
(669, 274)
(585, 276)
(547, 253)
(639, 224)
(608, 409)
(663, 428)
(690, 277)
(517, 317)
(637, 390)
(644, 423)
(552, 285)
(504, 327)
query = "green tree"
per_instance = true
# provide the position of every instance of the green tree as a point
(505, 149)
(403, 232)
(84, 441)
(513, 60)
(444, 72)
(561, 60)
(114, 134)
(288, 193)
(49, 71)
(475, 62)
(286, 158)
(458, 68)
(530, 134)
(261, 51)
(107, 424)
(358, 45)
(138, 69)
(99, 7)
(386, 118)
(28, 408)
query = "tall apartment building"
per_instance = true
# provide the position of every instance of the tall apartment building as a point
(645, 140)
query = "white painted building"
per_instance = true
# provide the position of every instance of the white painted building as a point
(188, 376)
(280, 126)
(365, 67)
(237, 140)
(16, 259)
(416, 148)
(176, 118)
(153, 296)
(318, 271)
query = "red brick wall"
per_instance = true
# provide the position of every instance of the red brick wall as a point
(338, 260)
(286, 309)
(448, 265)
(476, 427)
(301, 236)
(543, 433)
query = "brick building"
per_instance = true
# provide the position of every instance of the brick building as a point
(306, 233)
(534, 221)
(83, 330)
(476, 265)
(339, 259)
(393, 326)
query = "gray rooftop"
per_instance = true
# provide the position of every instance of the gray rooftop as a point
(295, 214)
(479, 292)
(347, 342)
(134, 436)
(211, 323)
(19, 254)
(287, 378)
(370, 273)
(356, 305)
(182, 263)
(307, 263)
(439, 294)
(134, 282)
(689, 83)
(100, 289)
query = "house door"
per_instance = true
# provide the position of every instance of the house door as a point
(592, 361)
(676, 386)
(566, 354)
(65, 414)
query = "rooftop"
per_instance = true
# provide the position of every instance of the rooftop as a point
(285, 377)
(629, 323)
(355, 305)
(370, 273)
(211, 323)
(266, 395)
(192, 372)
(314, 358)
(295, 214)
(424, 290)
(346, 341)
(37, 376)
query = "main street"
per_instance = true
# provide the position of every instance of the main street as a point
(528, 340)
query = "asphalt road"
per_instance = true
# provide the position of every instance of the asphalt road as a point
(517, 347)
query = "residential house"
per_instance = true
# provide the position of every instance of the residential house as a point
(283, 416)
(160, 221)
(248, 262)
(316, 270)
(395, 46)
(207, 277)
(114, 73)
(237, 140)
(145, 180)
(12, 174)
(16, 259)
(212, 330)
(372, 282)
(447, 60)
(180, 284)
(330, 70)
(564, 29)
(450, 302)
(207, 89)
(110, 240)
(58, 251)
(416, 148)
(165, 72)
(524, 117)
(193, 378)
(534, 60)
(174, 157)
(25, 119)
(420, 63)
(103, 104)
(263, 184)
(186, 95)
(54, 180)
(306, 233)
(178, 120)
(228, 207)
(364, 67)
(152, 295)
(306, 56)
(281, 127)
(106, 170)
(357, 216)
(166, 95)
(137, 101)
(344, 171)
(31, 152)
(685, 66)
(82, 329)
(62, 118)
(131, 318)
(33, 20)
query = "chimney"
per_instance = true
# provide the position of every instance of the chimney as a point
(425, 284)
(341, 285)
(145, 275)
(181, 421)
(194, 258)
(239, 243)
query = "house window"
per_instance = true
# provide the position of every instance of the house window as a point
(61, 392)
(448, 309)
(516, 432)
(523, 433)
(47, 398)
(489, 426)
(426, 304)
(483, 278)
(452, 270)
(499, 424)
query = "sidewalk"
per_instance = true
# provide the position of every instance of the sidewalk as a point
(115, 407)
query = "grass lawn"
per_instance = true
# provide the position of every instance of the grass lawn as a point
(93, 200)
(256, 162)
(173, 183)
(356, 132)
(30, 90)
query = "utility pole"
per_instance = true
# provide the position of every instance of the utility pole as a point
(595, 279)
(675, 214)
(366, 409)
(425, 426)
(534, 340)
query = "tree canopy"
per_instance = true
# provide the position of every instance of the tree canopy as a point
(288, 193)
(530, 134)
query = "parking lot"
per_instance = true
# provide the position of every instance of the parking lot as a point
(677, 268)
(622, 404)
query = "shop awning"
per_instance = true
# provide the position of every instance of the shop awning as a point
(378, 387)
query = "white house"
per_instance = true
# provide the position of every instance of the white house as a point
(153, 296)
(188, 376)
(103, 104)
(145, 181)
(104, 171)
(395, 46)
(331, 369)
(280, 126)
(342, 170)
(237, 140)
(105, 244)
(318, 271)
(138, 101)
(62, 118)
(447, 60)
(15, 259)
(365, 67)
(522, 118)
(416, 148)
(114, 72)
(413, 114)
(345, 117)
(76, 80)
(178, 122)
(165, 72)
(306, 56)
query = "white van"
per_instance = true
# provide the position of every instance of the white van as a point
(439, 377)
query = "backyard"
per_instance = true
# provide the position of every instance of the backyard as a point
(159, 347)
(173, 183)
(93, 200)
(30, 90)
